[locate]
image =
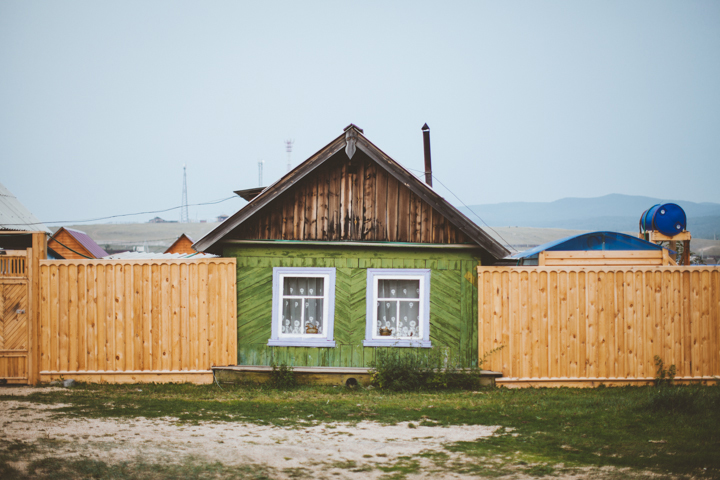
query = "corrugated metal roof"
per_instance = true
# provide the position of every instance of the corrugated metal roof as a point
(14, 215)
(592, 241)
(155, 256)
(87, 242)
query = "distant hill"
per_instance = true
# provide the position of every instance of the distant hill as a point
(612, 212)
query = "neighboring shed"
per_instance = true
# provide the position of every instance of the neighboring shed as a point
(595, 248)
(69, 243)
(348, 253)
(183, 244)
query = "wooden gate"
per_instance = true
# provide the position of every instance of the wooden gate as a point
(14, 314)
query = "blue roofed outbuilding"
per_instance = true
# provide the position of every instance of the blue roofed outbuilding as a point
(593, 242)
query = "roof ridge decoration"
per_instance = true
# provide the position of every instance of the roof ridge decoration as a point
(352, 139)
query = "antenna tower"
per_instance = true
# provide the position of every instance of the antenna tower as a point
(288, 149)
(184, 218)
(260, 172)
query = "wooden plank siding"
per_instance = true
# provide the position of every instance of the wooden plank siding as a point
(183, 244)
(68, 247)
(137, 320)
(604, 258)
(350, 201)
(453, 300)
(584, 326)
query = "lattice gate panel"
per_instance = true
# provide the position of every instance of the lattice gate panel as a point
(13, 332)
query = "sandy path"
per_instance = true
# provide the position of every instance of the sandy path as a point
(315, 448)
(321, 451)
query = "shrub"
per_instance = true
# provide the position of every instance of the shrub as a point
(400, 370)
(282, 377)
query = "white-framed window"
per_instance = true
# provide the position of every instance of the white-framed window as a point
(303, 308)
(398, 308)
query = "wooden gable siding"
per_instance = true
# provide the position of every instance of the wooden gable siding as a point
(181, 245)
(453, 301)
(350, 200)
(69, 241)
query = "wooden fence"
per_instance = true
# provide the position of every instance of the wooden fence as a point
(585, 326)
(137, 320)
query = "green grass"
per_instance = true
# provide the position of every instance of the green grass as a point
(671, 431)
(50, 468)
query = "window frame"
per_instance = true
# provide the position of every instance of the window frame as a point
(376, 274)
(277, 338)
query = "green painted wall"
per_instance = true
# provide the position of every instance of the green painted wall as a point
(453, 300)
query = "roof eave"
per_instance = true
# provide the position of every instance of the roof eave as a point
(469, 228)
(269, 194)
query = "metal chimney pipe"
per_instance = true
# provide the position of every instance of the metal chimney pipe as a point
(428, 161)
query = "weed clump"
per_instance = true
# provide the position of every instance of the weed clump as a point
(668, 398)
(282, 377)
(664, 377)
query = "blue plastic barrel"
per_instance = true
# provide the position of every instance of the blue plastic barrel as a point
(667, 218)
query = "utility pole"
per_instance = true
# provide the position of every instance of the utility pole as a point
(288, 149)
(184, 217)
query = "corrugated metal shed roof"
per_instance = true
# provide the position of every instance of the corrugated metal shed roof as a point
(14, 215)
(87, 242)
(592, 241)
(155, 256)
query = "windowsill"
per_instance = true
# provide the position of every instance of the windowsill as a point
(301, 343)
(397, 343)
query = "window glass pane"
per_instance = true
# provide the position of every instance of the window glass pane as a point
(409, 288)
(305, 286)
(292, 316)
(386, 321)
(290, 286)
(398, 288)
(313, 316)
(387, 288)
(409, 319)
(315, 286)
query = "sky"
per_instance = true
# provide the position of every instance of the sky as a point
(103, 103)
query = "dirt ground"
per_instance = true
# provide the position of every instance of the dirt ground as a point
(323, 451)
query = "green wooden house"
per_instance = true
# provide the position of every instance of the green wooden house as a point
(350, 253)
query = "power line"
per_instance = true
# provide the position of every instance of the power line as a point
(468, 208)
(124, 214)
(77, 253)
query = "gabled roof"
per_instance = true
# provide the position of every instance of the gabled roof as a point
(352, 140)
(614, 241)
(178, 243)
(84, 239)
(14, 215)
